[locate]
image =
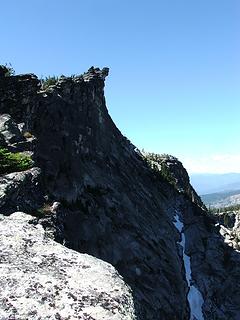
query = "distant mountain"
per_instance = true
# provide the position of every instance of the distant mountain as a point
(222, 199)
(215, 183)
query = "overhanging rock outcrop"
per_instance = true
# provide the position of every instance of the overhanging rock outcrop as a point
(110, 204)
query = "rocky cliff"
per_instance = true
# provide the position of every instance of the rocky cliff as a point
(95, 193)
(41, 279)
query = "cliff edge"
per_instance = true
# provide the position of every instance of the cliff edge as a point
(95, 193)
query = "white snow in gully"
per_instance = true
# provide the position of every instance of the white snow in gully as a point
(194, 297)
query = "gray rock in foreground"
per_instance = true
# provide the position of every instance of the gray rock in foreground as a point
(41, 279)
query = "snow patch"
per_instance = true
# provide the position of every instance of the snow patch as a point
(194, 297)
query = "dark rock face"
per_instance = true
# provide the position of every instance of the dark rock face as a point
(18, 95)
(112, 205)
(107, 210)
(215, 266)
(176, 174)
(73, 118)
(20, 190)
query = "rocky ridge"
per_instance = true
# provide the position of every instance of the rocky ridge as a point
(94, 192)
(229, 224)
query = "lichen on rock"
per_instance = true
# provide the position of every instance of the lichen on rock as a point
(41, 279)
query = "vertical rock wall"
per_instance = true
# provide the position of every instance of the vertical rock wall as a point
(108, 201)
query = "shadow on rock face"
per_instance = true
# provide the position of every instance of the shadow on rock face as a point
(215, 265)
(115, 227)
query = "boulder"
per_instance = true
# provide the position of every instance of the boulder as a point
(20, 191)
(9, 130)
(41, 279)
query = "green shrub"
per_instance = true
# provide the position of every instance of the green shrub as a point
(231, 208)
(158, 165)
(166, 174)
(7, 70)
(12, 162)
(49, 81)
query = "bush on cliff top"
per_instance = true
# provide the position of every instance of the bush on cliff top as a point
(157, 163)
(12, 162)
(49, 81)
(7, 70)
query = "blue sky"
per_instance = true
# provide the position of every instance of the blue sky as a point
(174, 67)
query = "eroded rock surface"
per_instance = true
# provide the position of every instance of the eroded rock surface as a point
(99, 195)
(111, 204)
(9, 130)
(215, 265)
(20, 190)
(41, 279)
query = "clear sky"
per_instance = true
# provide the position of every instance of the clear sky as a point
(174, 67)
